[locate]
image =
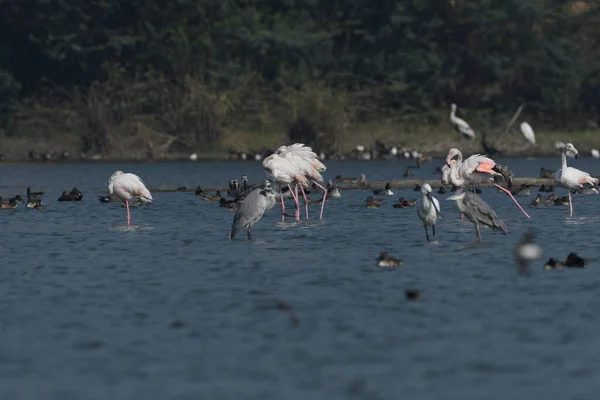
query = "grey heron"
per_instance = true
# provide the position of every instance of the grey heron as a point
(428, 209)
(251, 210)
(478, 212)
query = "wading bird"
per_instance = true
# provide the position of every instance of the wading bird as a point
(127, 186)
(478, 212)
(251, 210)
(475, 170)
(460, 124)
(572, 178)
(428, 209)
(528, 132)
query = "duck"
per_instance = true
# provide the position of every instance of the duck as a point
(559, 201)
(442, 190)
(387, 191)
(585, 191)
(408, 173)
(200, 192)
(547, 173)
(373, 203)
(546, 189)
(333, 191)
(417, 188)
(553, 264)
(386, 261)
(540, 201)
(8, 204)
(74, 195)
(523, 190)
(109, 199)
(413, 294)
(31, 194)
(403, 203)
(574, 261)
(34, 203)
(19, 199)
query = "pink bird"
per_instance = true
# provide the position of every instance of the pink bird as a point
(297, 164)
(474, 170)
(572, 178)
(127, 187)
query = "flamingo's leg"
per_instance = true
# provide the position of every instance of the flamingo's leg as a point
(305, 201)
(282, 209)
(128, 215)
(511, 196)
(297, 204)
(295, 199)
(323, 199)
(570, 205)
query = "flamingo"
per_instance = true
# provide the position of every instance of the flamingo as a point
(127, 186)
(475, 169)
(572, 178)
(296, 164)
(460, 124)
(528, 132)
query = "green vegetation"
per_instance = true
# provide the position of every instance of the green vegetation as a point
(159, 76)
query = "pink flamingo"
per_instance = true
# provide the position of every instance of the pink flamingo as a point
(572, 178)
(126, 187)
(475, 169)
(297, 164)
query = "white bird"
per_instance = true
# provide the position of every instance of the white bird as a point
(428, 209)
(297, 164)
(446, 175)
(193, 157)
(528, 132)
(460, 124)
(572, 178)
(595, 153)
(475, 170)
(526, 251)
(127, 187)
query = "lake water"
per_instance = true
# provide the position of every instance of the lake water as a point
(171, 309)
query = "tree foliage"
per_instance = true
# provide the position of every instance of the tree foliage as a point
(183, 71)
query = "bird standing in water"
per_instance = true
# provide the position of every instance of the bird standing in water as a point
(478, 212)
(127, 186)
(428, 209)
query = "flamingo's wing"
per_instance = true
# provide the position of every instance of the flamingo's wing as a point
(134, 185)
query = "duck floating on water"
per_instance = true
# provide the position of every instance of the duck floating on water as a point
(74, 195)
(387, 191)
(386, 261)
(373, 203)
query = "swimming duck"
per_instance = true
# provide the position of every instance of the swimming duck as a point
(403, 203)
(559, 201)
(546, 189)
(74, 195)
(547, 173)
(387, 261)
(585, 191)
(539, 201)
(8, 204)
(19, 199)
(553, 264)
(417, 188)
(333, 191)
(200, 192)
(109, 199)
(574, 261)
(31, 194)
(442, 190)
(407, 173)
(373, 203)
(387, 191)
(523, 190)
(34, 203)
(361, 179)
(413, 294)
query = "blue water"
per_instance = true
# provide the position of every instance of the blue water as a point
(171, 309)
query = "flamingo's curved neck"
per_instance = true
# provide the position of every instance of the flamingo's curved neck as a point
(455, 177)
(563, 156)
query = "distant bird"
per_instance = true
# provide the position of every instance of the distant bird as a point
(34, 203)
(553, 264)
(547, 189)
(386, 261)
(547, 173)
(428, 209)
(251, 210)
(442, 190)
(460, 124)
(408, 173)
(361, 179)
(31, 194)
(523, 190)
(128, 186)
(200, 192)
(333, 191)
(403, 203)
(478, 212)
(19, 199)
(595, 153)
(528, 132)
(413, 294)
(387, 191)
(526, 251)
(193, 157)
(572, 178)
(574, 261)
(476, 169)
(74, 195)
(373, 203)
(7, 204)
(109, 199)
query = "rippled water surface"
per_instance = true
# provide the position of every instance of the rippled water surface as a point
(171, 309)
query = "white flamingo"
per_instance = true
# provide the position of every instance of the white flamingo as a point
(460, 124)
(297, 164)
(527, 131)
(572, 178)
(428, 209)
(475, 170)
(127, 187)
